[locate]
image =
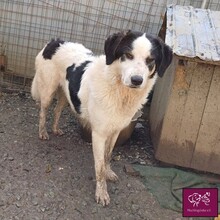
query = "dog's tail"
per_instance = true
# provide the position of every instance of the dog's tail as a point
(35, 93)
(34, 90)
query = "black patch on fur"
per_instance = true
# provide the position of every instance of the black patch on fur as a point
(51, 48)
(161, 53)
(123, 58)
(74, 76)
(118, 44)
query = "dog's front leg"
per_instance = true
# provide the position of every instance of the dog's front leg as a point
(98, 144)
(110, 175)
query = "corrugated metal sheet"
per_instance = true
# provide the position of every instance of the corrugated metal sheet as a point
(193, 32)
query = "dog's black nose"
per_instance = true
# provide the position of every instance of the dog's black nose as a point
(136, 80)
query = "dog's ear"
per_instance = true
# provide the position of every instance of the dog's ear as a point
(111, 45)
(166, 56)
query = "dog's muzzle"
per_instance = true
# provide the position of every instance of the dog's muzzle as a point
(136, 81)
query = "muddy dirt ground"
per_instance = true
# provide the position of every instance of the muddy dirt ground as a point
(55, 179)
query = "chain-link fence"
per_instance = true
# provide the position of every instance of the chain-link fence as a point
(27, 25)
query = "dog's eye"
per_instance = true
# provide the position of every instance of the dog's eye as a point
(129, 56)
(150, 63)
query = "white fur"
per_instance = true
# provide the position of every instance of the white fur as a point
(108, 103)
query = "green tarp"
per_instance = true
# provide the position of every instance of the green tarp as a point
(166, 184)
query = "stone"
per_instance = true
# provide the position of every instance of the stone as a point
(134, 208)
(2, 203)
(10, 158)
(130, 170)
(18, 204)
(139, 125)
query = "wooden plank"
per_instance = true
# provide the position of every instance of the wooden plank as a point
(207, 151)
(198, 60)
(194, 108)
(159, 102)
(184, 113)
(168, 150)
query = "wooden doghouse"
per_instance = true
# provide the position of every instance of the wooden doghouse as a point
(185, 110)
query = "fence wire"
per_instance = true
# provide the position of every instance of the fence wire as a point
(27, 25)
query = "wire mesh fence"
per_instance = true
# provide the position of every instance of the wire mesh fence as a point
(27, 25)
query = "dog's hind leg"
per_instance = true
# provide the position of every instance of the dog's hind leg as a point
(43, 113)
(45, 99)
(42, 123)
(61, 103)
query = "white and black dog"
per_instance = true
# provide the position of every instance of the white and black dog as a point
(104, 91)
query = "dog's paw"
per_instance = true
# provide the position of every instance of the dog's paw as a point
(58, 132)
(101, 194)
(110, 175)
(44, 135)
(102, 197)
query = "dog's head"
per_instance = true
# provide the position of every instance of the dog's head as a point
(140, 56)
